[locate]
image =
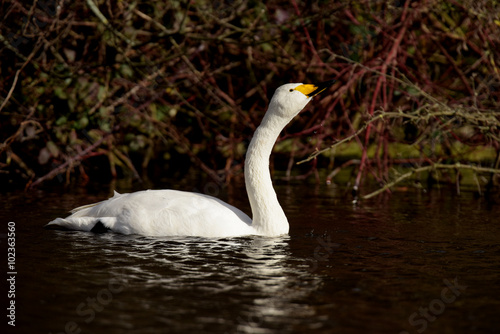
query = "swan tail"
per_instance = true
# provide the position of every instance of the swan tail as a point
(80, 208)
(87, 224)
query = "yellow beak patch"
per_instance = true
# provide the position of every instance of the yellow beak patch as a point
(310, 90)
(306, 89)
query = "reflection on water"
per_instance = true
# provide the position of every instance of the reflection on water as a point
(394, 264)
(189, 284)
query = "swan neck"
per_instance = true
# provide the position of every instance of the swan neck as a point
(268, 218)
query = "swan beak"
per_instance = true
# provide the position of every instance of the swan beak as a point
(313, 90)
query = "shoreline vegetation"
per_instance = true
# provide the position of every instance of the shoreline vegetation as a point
(102, 89)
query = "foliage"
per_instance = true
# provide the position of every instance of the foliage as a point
(105, 88)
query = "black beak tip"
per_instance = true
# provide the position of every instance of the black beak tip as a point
(328, 83)
(321, 87)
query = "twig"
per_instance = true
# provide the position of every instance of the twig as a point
(487, 116)
(428, 168)
(11, 89)
(26, 61)
(105, 21)
(423, 114)
(349, 138)
(68, 162)
(306, 32)
(381, 81)
(404, 82)
(8, 141)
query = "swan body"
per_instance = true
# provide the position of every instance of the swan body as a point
(161, 213)
(179, 213)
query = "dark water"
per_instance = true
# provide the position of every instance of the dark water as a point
(414, 261)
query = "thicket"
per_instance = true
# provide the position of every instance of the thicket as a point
(102, 88)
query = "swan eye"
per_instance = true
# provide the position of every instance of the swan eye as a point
(291, 90)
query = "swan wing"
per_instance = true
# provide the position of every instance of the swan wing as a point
(160, 213)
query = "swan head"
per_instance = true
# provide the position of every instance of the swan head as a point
(290, 99)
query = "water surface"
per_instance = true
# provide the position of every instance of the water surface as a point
(412, 262)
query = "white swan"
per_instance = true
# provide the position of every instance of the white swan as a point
(179, 213)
